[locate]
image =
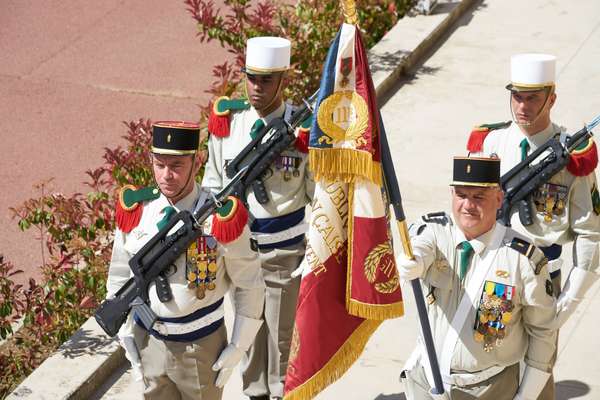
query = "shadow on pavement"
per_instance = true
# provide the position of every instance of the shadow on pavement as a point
(86, 342)
(571, 389)
(394, 396)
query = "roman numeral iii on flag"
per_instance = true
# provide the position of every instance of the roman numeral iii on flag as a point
(349, 279)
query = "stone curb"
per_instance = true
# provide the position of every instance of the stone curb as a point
(89, 357)
(76, 370)
(405, 45)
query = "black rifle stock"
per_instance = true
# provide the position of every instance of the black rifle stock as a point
(541, 165)
(163, 249)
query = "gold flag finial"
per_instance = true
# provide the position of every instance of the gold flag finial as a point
(349, 7)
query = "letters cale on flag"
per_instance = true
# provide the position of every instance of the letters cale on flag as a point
(349, 277)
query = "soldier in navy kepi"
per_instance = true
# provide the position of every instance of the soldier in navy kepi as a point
(185, 355)
(278, 223)
(490, 300)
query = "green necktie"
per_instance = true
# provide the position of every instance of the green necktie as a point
(524, 147)
(465, 256)
(169, 212)
(258, 125)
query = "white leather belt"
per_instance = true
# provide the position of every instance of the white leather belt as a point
(466, 379)
(286, 234)
(554, 265)
(174, 328)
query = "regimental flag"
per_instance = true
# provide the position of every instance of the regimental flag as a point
(349, 280)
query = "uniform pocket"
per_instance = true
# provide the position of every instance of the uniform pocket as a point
(440, 275)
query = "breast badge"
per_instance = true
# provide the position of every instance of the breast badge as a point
(493, 314)
(201, 265)
(289, 166)
(550, 200)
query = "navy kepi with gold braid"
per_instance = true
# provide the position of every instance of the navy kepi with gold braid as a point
(476, 171)
(175, 137)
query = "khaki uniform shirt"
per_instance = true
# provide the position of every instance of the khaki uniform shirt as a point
(576, 220)
(285, 196)
(237, 266)
(529, 334)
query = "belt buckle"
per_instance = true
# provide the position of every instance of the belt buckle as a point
(160, 328)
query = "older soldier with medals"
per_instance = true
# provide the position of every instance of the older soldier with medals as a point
(490, 296)
(185, 355)
(278, 214)
(567, 207)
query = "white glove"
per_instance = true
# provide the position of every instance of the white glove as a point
(228, 359)
(532, 384)
(578, 283)
(244, 332)
(127, 339)
(410, 269)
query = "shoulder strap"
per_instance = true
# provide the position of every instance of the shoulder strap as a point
(439, 217)
(535, 255)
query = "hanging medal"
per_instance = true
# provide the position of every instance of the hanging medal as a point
(201, 265)
(494, 312)
(297, 163)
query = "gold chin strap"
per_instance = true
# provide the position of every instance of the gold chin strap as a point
(274, 96)
(549, 91)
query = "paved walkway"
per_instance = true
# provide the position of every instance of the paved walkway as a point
(428, 118)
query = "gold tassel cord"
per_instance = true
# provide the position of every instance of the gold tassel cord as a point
(349, 7)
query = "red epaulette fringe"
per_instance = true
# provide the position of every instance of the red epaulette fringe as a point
(301, 142)
(229, 227)
(584, 162)
(476, 139)
(218, 125)
(128, 219)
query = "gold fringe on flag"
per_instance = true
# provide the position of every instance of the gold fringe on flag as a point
(374, 311)
(344, 165)
(337, 366)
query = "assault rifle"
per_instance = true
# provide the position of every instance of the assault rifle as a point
(256, 145)
(530, 174)
(163, 249)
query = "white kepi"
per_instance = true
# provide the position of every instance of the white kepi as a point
(267, 54)
(532, 71)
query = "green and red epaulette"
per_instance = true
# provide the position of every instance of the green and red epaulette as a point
(479, 133)
(229, 220)
(220, 114)
(303, 134)
(129, 205)
(584, 159)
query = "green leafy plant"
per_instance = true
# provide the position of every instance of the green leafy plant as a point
(76, 231)
(310, 24)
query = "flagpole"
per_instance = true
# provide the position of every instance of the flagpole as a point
(393, 190)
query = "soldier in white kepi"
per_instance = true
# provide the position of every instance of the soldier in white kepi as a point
(566, 207)
(490, 300)
(185, 355)
(277, 215)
